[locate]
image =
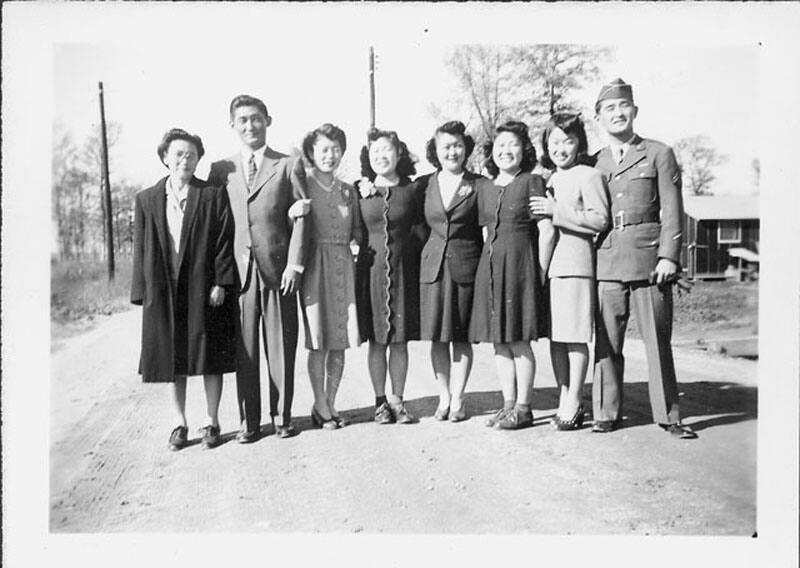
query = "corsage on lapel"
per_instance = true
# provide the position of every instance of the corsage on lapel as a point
(465, 190)
(366, 188)
(347, 194)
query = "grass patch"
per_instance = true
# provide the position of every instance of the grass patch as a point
(81, 290)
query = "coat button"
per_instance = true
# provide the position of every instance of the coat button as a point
(619, 195)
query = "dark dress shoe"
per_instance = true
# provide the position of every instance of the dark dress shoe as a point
(285, 431)
(247, 436)
(441, 414)
(210, 437)
(679, 430)
(604, 426)
(574, 423)
(402, 415)
(320, 422)
(458, 415)
(515, 419)
(178, 438)
(384, 415)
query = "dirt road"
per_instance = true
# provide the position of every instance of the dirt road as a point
(110, 470)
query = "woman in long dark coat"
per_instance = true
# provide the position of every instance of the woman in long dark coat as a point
(185, 277)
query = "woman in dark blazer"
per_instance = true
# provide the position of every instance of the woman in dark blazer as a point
(449, 260)
(184, 276)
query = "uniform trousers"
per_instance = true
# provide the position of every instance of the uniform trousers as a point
(653, 309)
(268, 321)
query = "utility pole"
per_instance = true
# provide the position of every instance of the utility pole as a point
(106, 188)
(371, 87)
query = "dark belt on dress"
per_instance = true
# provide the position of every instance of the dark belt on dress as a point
(622, 219)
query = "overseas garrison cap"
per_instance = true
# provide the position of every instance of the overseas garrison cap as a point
(616, 89)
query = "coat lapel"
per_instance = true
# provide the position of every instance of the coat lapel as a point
(636, 152)
(189, 214)
(465, 189)
(266, 171)
(160, 212)
(435, 194)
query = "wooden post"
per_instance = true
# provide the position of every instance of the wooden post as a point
(109, 227)
(371, 87)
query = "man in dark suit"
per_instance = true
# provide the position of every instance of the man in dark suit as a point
(637, 261)
(262, 185)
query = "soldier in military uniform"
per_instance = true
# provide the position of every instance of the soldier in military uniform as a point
(637, 261)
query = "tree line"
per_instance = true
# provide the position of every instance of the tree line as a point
(78, 211)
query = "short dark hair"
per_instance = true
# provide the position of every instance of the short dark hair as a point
(520, 130)
(572, 125)
(247, 100)
(179, 134)
(454, 128)
(329, 131)
(405, 164)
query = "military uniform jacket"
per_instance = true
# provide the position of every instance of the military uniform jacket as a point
(264, 231)
(646, 211)
(455, 235)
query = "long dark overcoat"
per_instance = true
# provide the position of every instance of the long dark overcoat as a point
(181, 333)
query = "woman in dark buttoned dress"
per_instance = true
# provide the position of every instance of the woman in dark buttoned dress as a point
(510, 308)
(387, 282)
(449, 260)
(185, 278)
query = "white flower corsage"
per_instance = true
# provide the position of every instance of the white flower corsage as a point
(366, 188)
(464, 190)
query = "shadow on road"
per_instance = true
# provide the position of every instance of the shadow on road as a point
(704, 404)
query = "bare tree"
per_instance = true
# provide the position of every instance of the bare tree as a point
(526, 83)
(76, 197)
(697, 159)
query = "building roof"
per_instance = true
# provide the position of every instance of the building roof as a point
(722, 207)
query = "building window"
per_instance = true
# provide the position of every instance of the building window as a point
(729, 232)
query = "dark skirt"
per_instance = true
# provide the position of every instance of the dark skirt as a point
(446, 308)
(509, 302)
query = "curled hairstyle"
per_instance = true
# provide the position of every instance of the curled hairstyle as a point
(454, 128)
(179, 134)
(572, 125)
(520, 130)
(327, 130)
(405, 164)
(247, 100)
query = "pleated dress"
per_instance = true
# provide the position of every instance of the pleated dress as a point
(510, 302)
(328, 292)
(387, 282)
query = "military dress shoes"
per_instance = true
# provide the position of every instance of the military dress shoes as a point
(178, 438)
(210, 437)
(679, 430)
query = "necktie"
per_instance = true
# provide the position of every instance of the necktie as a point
(251, 171)
(182, 203)
(621, 155)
